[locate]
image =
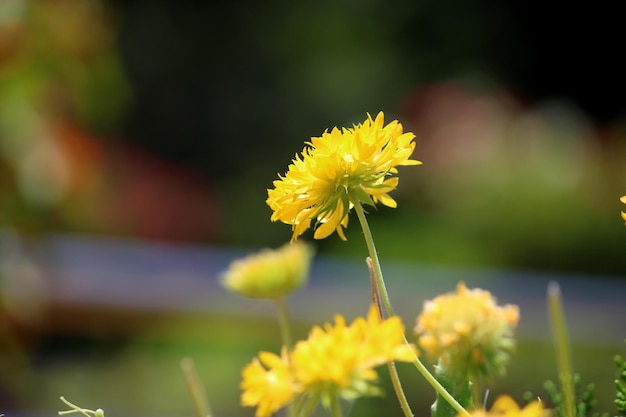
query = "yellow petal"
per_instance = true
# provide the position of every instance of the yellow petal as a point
(329, 225)
(388, 201)
(504, 404)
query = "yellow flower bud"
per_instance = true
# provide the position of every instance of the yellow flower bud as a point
(271, 273)
(467, 332)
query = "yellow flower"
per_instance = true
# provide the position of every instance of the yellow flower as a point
(334, 361)
(623, 200)
(270, 273)
(337, 170)
(505, 406)
(467, 332)
(267, 384)
(339, 360)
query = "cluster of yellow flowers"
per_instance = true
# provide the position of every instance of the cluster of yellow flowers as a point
(337, 361)
(467, 331)
(338, 169)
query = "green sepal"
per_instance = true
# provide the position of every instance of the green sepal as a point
(362, 196)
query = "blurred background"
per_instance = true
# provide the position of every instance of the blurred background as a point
(138, 139)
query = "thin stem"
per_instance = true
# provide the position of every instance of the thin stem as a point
(397, 386)
(76, 409)
(561, 344)
(196, 388)
(393, 372)
(439, 388)
(382, 291)
(335, 407)
(371, 248)
(283, 321)
(285, 334)
(304, 409)
(476, 390)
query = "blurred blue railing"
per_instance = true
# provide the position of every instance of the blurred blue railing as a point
(129, 275)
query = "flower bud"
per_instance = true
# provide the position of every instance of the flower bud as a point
(271, 273)
(467, 332)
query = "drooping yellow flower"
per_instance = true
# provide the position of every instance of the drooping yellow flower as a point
(338, 169)
(271, 273)
(340, 360)
(267, 384)
(623, 200)
(467, 332)
(506, 406)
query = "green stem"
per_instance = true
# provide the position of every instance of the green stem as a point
(459, 387)
(476, 390)
(393, 372)
(196, 389)
(305, 405)
(380, 283)
(335, 407)
(561, 344)
(395, 381)
(439, 388)
(76, 409)
(285, 335)
(371, 248)
(283, 321)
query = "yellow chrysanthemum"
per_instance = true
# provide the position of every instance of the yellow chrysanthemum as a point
(506, 406)
(267, 384)
(467, 332)
(623, 200)
(338, 169)
(270, 273)
(339, 360)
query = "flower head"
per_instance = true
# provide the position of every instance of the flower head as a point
(340, 359)
(337, 170)
(467, 332)
(267, 383)
(334, 361)
(270, 273)
(623, 200)
(505, 406)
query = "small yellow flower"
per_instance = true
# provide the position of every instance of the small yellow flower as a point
(505, 406)
(340, 360)
(338, 169)
(270, 273)
(623, 200)
(267, 384)
(467, 332)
